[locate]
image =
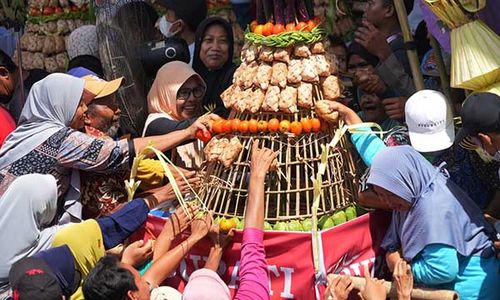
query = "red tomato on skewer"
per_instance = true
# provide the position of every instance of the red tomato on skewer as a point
(204, 137)
(278, 28)
(301, 26)
(290, 27)
(268, 29)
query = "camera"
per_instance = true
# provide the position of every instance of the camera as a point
(157, 53)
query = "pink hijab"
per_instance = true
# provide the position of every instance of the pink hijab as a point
(162, 96)
(205, 284)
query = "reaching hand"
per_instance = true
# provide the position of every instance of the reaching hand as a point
(403, 278)
(338, 288)
(261, 159)
(392, 259)
(166, 193)
(203, 124)
(180, 220)
(369, 81)
(220, 240)
(200, 227)
(345, 113)
(209, 119)
(373, 40)
(374, 288)
(187, 173)
(137, 253)
(395, 107)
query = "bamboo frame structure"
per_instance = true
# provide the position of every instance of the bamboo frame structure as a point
(289, 191)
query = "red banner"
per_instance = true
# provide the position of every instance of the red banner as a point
(350, 246)
(345, 248)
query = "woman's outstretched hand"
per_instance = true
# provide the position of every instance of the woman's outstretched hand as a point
(203, 123)
(261, 160)
(338, 288)
(345, 113)
(137, 253)
(403, 278)
(374, 288)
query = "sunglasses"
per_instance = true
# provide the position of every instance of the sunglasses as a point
(197, 92)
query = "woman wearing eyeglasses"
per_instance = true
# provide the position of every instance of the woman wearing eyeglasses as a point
(174, 103)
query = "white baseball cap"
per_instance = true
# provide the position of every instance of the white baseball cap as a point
(430, 121)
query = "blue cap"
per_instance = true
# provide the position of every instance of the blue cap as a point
(81, 72)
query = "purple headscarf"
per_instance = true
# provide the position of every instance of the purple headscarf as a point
(441, 212)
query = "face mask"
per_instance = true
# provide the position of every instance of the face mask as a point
(165, 27)
(486, 157)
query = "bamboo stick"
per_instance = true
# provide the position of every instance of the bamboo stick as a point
(443, 75)
(416, 293)
(289, 176)
(407, 36)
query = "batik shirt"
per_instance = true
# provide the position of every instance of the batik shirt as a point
(101, 194)
(65, 150)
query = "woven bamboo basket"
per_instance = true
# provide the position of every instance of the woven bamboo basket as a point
(475, 63)
(494, 88)
(289, 191)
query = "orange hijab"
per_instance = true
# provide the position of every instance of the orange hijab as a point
(162, 97)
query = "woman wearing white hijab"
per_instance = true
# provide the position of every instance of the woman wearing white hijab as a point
(46, 141)
(27, 216)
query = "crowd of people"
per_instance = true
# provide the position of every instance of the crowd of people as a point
(64, 158)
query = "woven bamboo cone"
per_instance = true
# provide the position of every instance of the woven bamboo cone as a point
(475, 56)
(494, 88)
(416, 293)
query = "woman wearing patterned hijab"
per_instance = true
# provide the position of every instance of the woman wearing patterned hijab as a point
(83, 41)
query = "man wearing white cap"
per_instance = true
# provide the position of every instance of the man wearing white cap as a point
(429, 119)
(430, 122)
(431, 131)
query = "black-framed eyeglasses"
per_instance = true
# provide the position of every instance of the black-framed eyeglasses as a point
(197, 92)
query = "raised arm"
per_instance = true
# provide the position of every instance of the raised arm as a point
(367, 143)
(168, 141)
(174, 225)
(167, 263)
(253, 267)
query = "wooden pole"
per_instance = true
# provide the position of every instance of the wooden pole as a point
(443, 75)
(408, 38)
(20, 64)
(416, 293)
